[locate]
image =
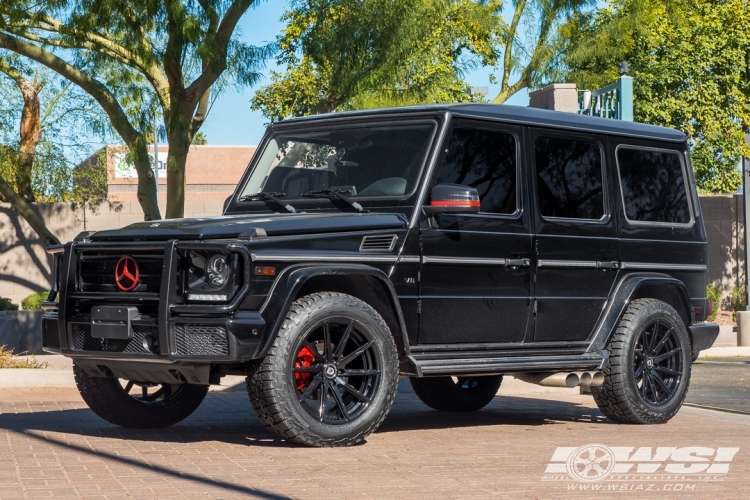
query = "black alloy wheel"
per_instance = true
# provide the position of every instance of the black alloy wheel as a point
(463, 394)
(142, 405)
(658, 363)
(331, 374)
(336, 371)
(647, 373)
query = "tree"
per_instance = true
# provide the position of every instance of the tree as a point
(690, 63)
(352, 54)
(137, 56)
(532, 55)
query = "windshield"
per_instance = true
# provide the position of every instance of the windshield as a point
(380, 161)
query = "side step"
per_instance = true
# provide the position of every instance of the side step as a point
(476, 366)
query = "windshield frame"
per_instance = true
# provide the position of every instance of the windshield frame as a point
(235, 205)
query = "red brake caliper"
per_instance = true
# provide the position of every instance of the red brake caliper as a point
(305, 358)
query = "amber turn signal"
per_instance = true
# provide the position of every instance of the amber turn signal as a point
(265, 271)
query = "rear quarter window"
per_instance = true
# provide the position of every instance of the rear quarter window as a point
(654, 185)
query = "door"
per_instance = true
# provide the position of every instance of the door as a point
(576, 245)
(475, 271)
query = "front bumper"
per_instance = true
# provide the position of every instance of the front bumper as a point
(704, 335)
(168, 331)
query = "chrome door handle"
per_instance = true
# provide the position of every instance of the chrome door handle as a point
(518, 263)
(607, 265)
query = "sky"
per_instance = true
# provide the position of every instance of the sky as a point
(231, 121)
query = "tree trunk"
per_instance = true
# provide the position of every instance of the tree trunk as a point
(146, 180)
(27, 213)
(179, 145)
(31, 133)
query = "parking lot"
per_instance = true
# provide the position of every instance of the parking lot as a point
(52, 445)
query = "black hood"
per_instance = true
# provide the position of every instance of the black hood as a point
(230, 226)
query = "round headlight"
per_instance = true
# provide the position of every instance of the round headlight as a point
(217, 271)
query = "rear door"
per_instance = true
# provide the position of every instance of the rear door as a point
(475, 284)
(576, 245)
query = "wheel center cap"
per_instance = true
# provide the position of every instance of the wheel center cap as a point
(650, 362)
(330, 371)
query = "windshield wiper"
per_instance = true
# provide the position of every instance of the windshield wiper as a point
(327, 193)
(274, 197)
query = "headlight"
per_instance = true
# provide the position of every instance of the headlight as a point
(217, 271)
(211, 276)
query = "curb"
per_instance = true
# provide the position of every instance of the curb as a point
(36, 377)
(717, 352)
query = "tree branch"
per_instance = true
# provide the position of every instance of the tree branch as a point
(27, 213)
(511, 36)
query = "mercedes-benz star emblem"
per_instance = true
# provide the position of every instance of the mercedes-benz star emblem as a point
(127, 273)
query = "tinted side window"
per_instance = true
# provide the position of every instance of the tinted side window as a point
(569, 178)
(486, 161)
(653, 186)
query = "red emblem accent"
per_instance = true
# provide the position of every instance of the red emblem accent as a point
(127, 273)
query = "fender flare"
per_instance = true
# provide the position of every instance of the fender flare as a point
(292, 279)
(621, 296)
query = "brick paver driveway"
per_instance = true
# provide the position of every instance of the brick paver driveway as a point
(53, 446)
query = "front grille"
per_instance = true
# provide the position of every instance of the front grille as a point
(97, 271)
(201, 340)
(83, 341)
(50, 333)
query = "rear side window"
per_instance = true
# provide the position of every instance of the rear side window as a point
(569, 178)
(485, 160)
(653, 186)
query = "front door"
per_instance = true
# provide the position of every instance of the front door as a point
(475, 284)
(576, 245)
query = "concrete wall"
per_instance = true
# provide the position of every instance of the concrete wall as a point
(723, 218)
(25, 267)
(24, 264)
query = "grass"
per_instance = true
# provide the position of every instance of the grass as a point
(10, 360)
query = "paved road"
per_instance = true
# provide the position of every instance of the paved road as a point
(51, 445)
(721, 383)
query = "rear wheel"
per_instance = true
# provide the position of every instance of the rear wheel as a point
(647, 374)
(330, 376)
(138, 404)
(456, 393)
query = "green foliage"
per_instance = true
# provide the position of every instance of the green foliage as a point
(10, 360)
(7, 305)
(714, 295)
(737, 298)
(90, 179)
(200, 139)
(34, 301)
(354, 54)
(689, 66)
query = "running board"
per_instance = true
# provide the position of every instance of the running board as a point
(475, 366)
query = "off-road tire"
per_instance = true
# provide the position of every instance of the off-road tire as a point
(270, 381)
(447, 394)
(619, 398)
(107, 398)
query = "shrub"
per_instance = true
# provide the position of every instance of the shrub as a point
(7, 305)
(20, 360)
(34, 301)
(714, 295)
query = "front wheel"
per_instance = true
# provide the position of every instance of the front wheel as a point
(330, 377)
(138, 404)
(647, 374)
(456, 393)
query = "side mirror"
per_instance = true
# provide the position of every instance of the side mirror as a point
(452, 198)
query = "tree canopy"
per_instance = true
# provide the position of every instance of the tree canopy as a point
(690, 63)
(135, 58)
(351, 54)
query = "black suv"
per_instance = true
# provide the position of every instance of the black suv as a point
(450, 244)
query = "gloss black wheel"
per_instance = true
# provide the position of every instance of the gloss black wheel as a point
(337, 370)
(647, 374)
(657, 364)
(330, 376)
(138, 404)
(456, 393)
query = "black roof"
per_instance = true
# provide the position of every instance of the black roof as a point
(516, 114)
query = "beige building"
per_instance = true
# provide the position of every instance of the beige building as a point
(212, 172)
